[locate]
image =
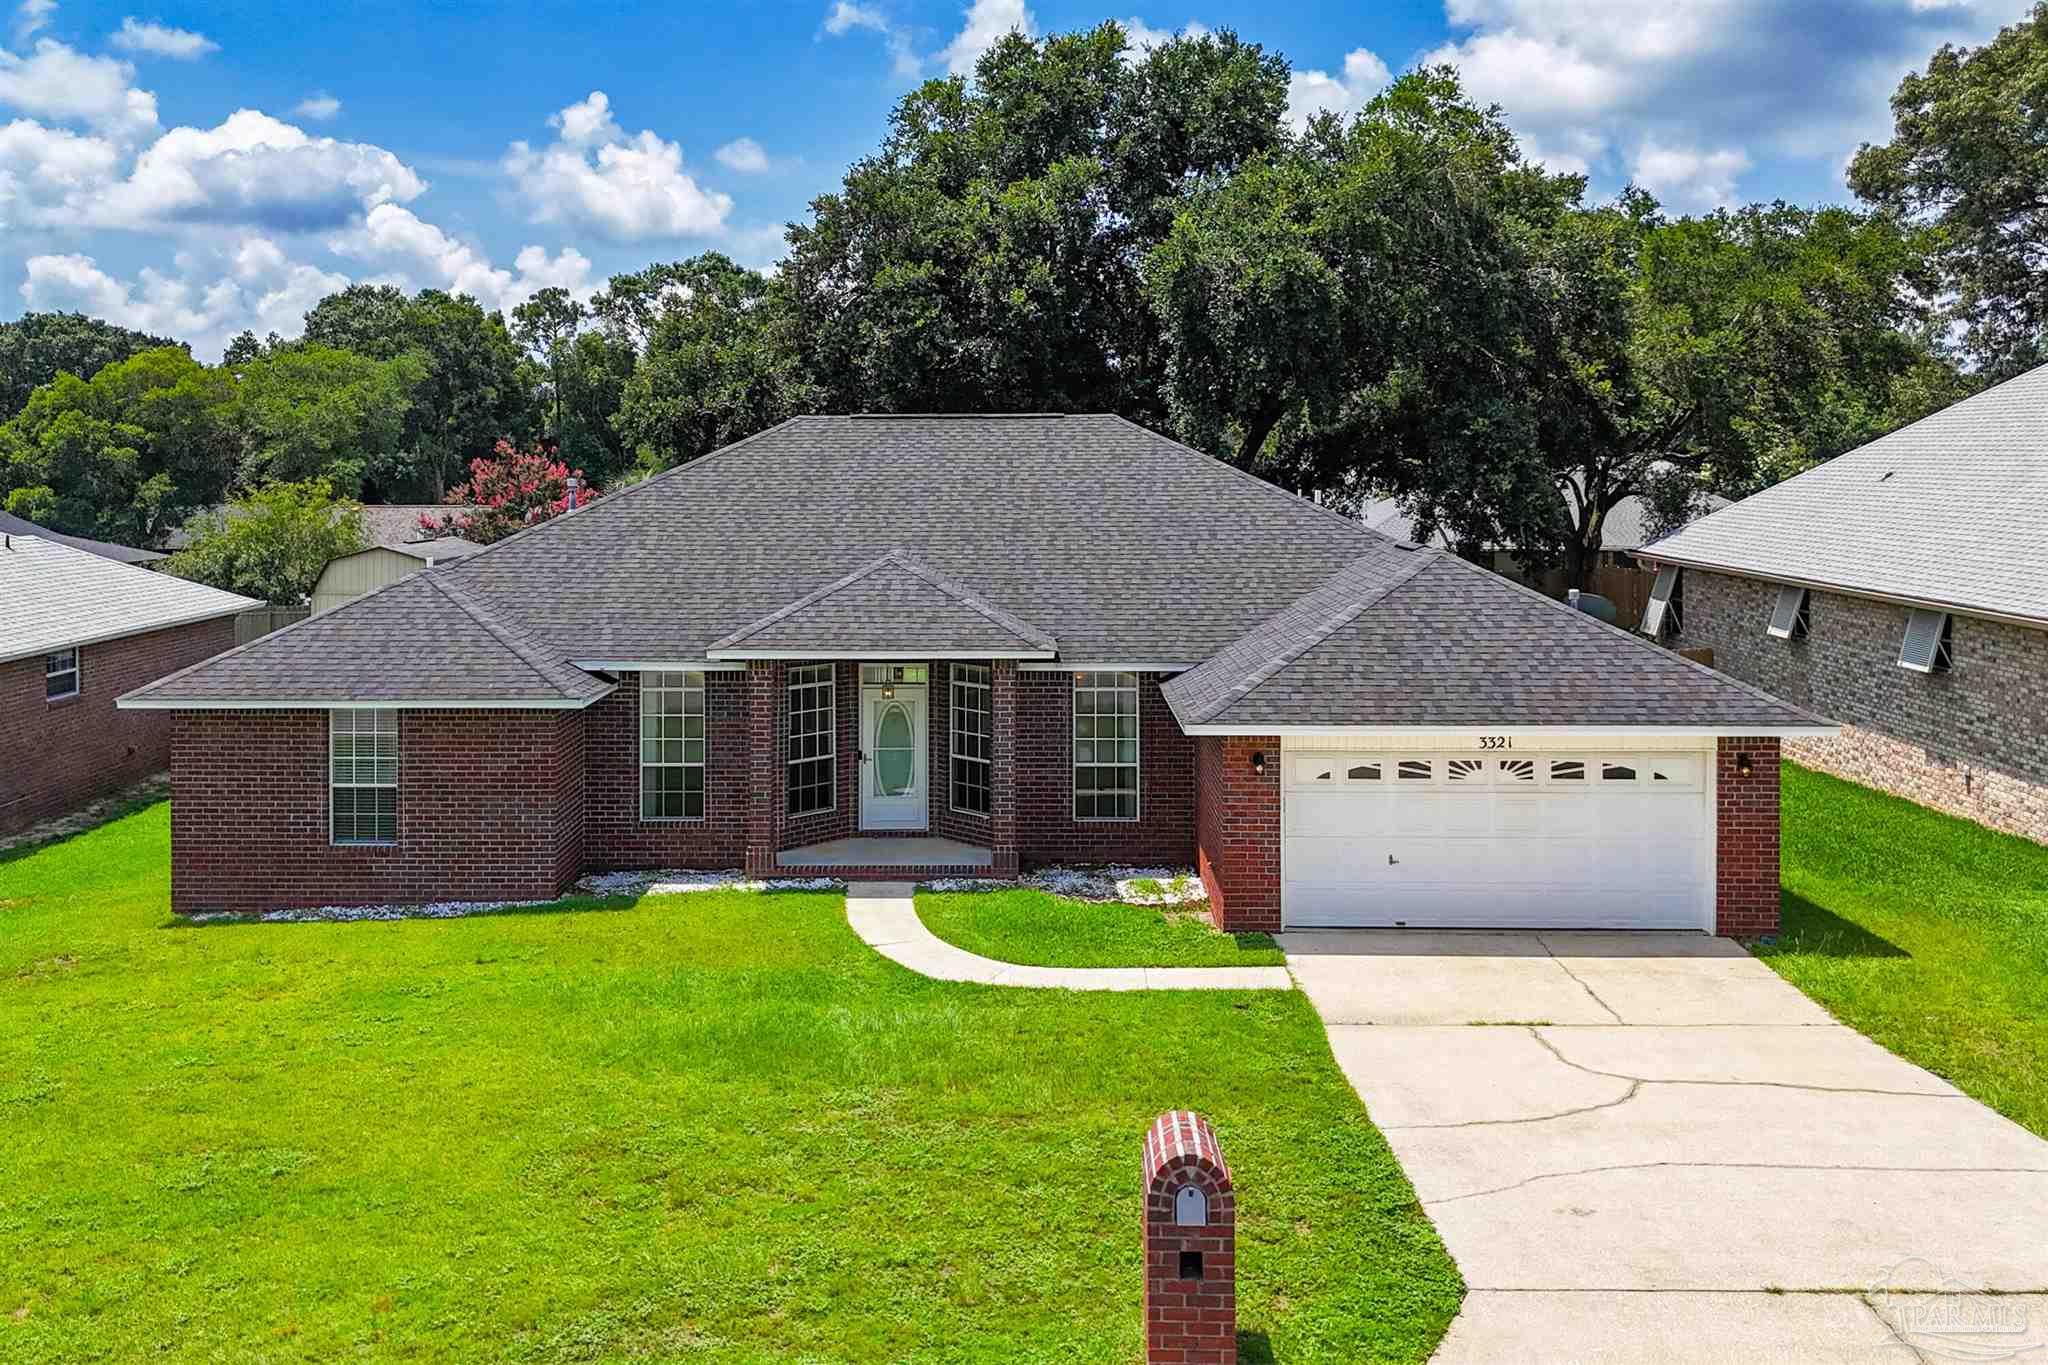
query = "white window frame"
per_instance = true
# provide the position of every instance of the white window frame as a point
(968, 680)
(376, 723)
(76, 670)
(690, 683)
(1789, 620)
(1658, 613)
(1091, 683)
(805, 677)
(1927, 646)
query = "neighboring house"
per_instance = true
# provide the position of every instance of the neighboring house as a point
(348, 577)
(1902, 587)
(909, 646)
(1615, 575)
(121, 554)
(78, 631)
(383, 523)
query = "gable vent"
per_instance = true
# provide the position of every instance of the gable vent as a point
(1788, 616)
(1926, 646)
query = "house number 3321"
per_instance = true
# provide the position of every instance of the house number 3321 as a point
(1496, 741)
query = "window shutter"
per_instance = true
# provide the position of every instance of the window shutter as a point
(1659, 609)
(1922, 649)
(1788, 617)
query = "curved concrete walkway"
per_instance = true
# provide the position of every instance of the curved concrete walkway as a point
(884, 916)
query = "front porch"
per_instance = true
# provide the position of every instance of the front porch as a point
(923, 854)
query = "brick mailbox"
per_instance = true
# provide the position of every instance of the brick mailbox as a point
(1190, 1245)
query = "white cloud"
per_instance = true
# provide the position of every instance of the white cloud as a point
(422, 253)
(254, 169)
(32, 17)
(844, 17)
(1313, 92)
(58, 82)
(42, 169)
(1688, 177)
(1692, 96)
(625, 188)
(743, 154)
(250, 283)
(1144, 37)
(318, 105)
(987, 22)
(160, 41)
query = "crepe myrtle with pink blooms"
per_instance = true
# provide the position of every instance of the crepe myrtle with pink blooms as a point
(508, 491)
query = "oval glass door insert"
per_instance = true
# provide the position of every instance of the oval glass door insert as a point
(895, 760)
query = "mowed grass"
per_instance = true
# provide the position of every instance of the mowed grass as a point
(712, 1126)
(1928, 933)
(1039, 929)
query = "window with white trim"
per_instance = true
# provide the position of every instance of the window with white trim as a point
(1105, 746)
(671, 745)
(61, 675)
(362, 775)
(1788, 614)
(813, 733)
(973, 727)
(1929, 643)
(1660, 615)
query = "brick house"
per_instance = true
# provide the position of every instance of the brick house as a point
(1903, 588)
(898, 646)
(80, 629)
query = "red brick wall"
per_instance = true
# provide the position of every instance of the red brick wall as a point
(1237, 830)
(57, 755)
(1746, 839)
(490, 807)
(1047, 831)
(615, 836)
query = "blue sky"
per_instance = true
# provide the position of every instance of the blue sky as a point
(195, 169)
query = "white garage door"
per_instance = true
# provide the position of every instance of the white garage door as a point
(1524, 840)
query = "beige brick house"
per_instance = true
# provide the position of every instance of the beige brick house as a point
(1902, 589)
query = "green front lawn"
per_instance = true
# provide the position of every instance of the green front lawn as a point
(1042, 930)
(709, 1124)
(1928, 933)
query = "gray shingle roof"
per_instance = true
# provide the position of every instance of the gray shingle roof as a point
(894, 605)
(1437, 642)
(105, 549)
(899, 535)
(1951, 511)
(439, 550)
(421, 639)
(54, 596)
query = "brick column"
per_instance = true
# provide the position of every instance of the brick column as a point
(1002, 767)
(1190, 1245)
(764, 766)
(1237, 829)
(1746, 838)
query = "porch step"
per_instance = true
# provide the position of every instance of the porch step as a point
(923, 855)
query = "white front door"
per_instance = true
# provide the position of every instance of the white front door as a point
(892, 757)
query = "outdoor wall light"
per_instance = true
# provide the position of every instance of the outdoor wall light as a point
(1743, 766)
(1259, 764)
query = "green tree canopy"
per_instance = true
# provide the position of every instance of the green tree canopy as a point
(124, 456)
(271, 543)
(310, 411)
(1969, 154)
(37, 347)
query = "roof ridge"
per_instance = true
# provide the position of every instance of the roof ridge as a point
(973, 600)
(910, 563)
(1350, 610)
(810, 598)
(525, 650)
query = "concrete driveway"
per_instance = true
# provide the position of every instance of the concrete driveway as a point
(1653, 1148)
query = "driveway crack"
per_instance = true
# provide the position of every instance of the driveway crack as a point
(1891, 1330)
(1595, 995)
(1552, 1049)
(1621, 1099)
(1732, 1166)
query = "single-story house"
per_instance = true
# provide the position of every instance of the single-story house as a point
(347, 577)
(910, 646)
(12, 525)
(78, 631)
(1902, 587)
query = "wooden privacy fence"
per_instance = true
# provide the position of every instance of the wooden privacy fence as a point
(257, 622)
